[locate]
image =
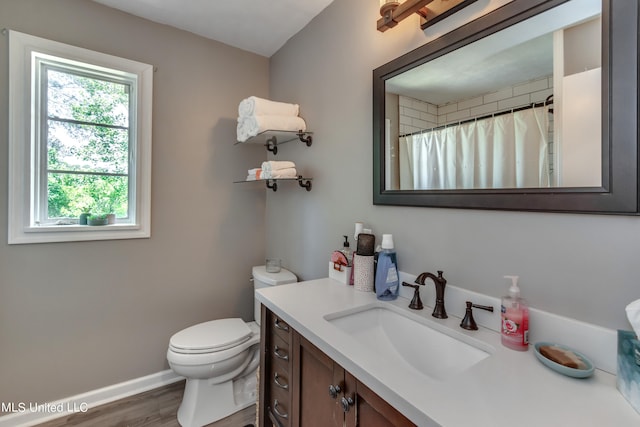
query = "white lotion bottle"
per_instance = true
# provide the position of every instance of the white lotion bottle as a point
(515, 318)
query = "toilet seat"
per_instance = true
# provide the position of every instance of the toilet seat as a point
(210, 337)
(179, 357)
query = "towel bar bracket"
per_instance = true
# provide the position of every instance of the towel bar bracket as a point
(307, 140)
(272, 141)
(272, 145)
(272, 185)
(304, 183)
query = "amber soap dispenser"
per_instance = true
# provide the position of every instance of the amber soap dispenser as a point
(515, 318)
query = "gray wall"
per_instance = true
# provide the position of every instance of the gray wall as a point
(581, 266)
(79, 316)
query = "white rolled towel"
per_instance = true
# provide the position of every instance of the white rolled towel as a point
(274, 165)
(280, 173)
(254, 106)
(253, 125)
(241, 133)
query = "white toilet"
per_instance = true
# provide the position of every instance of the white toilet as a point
(219, 359)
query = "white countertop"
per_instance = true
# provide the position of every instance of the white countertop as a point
(505, 389)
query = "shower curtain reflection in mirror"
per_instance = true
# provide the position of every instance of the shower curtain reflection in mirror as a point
(510, 150)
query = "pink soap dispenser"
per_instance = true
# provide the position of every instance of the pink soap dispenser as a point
(515, 318)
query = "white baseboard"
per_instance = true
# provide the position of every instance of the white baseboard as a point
(25, 414)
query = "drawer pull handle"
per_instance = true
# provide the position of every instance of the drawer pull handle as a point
(278, 413)
(282, 326)
(277, 351)
(276, 379)
(274, 420)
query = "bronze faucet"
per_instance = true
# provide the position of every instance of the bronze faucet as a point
(440, 282)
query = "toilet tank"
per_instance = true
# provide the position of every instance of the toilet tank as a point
(262, 279)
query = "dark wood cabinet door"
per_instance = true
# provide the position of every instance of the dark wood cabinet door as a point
(367, 409)
(314, 374)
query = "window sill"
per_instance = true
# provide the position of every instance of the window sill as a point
(78, 233)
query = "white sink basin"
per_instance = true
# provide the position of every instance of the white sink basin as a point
(409, 341)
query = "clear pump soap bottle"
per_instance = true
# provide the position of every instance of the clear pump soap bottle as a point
(515, 318)
(346, 250)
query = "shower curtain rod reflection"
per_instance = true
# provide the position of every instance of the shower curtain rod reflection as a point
(548, 101)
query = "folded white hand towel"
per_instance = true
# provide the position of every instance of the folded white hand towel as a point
(253, 171)
(253, 125)
(280, 173)
(633, 314)
(274, 165)
(254, 106)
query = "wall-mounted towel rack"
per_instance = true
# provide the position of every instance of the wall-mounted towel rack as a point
(273, 183)
(272, 138)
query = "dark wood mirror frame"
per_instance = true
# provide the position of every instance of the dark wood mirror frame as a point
(619, 191)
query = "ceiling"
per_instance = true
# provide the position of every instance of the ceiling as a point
(517, 54)
(259, 26)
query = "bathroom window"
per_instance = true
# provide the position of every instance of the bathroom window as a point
(80, 142)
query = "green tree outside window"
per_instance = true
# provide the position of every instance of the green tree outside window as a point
(87, 145)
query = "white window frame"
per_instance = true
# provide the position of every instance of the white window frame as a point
(25, 52)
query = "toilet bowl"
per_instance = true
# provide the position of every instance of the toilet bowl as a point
(219, 359)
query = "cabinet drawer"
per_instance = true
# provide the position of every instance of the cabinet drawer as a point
(274, 420)
(280, 328)
(280, 350)
(280, 378)
(280, 405)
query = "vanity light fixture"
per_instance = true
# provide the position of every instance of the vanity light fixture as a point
(393, 11)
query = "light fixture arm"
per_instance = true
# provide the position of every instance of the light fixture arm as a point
(393, 13)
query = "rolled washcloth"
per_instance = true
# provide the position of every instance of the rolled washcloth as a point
(280, 174)
(253, 125)
(274, 165)
(254, 174)
(254, 106)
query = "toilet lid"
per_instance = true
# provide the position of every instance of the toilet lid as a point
(207, 337)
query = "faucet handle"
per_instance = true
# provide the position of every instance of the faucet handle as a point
(416, 302)
(468, 322)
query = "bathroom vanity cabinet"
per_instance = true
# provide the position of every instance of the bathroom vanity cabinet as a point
(323, 354)
(301, 386)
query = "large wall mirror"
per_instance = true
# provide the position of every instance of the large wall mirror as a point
(531, 107)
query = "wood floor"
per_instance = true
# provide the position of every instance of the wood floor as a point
(154, 408)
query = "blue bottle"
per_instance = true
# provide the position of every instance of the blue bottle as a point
(387, 280)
